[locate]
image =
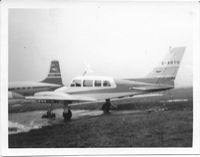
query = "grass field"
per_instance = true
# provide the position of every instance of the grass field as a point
(150, 127)
(156, 129)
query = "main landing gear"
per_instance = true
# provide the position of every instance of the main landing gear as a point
(106, 106)
(49, 114)
(67, 113)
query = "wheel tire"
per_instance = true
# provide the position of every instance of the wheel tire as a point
(67, 116)
(53, 115)
(44, 116)
(105, 108)
(49, 116)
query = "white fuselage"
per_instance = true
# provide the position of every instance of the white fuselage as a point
(19, 89)
(99, 87)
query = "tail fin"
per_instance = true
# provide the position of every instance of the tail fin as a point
(166, 71)
(54, 75)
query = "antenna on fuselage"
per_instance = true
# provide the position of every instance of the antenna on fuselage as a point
(87, 70)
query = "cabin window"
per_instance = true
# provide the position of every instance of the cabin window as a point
(106, 83)
(88, 83)
(76, 83)
(97, 83)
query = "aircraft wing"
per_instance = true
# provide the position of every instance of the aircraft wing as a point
(77, 98)
(59, 96)
(92, 97)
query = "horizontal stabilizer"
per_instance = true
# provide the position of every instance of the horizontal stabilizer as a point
(152, 88)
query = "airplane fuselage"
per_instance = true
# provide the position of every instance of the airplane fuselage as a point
(20, 89)
(113, 87)
(96, 88)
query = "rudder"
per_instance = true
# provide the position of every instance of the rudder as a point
(54, 75)
(166, 71)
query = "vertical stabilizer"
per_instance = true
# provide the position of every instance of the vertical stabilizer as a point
(54, 75)
(166, 71)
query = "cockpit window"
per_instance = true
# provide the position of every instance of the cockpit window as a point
(76, 83)
(97, 83)
(106, 83)
(87, 83)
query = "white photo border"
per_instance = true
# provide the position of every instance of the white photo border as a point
(5, 6)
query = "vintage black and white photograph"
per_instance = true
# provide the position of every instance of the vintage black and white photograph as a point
(101, 75)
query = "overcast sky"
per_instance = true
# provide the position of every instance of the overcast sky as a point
(117, 39)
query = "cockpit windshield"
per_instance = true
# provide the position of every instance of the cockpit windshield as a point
(90, 82)
(76, 83)
(106, 83)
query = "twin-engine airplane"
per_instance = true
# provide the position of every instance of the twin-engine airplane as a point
(53, 81)
(95, 88)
